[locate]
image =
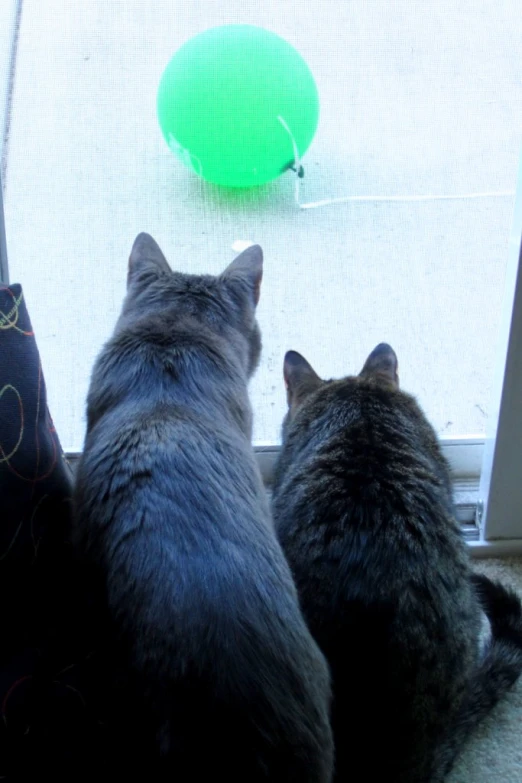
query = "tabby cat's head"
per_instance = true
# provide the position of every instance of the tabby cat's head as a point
(365, 417)
(222, 304)
(302, 381)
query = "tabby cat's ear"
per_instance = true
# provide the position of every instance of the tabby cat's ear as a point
(300, 378)
(247, 270)
(145, 254)
(382, 365)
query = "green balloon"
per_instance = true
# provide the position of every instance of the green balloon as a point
(236, 103)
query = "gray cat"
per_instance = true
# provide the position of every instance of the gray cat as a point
(219, 676)
(363, 508)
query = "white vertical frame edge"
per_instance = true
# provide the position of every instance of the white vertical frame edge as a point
(500, 491)
(4, 270)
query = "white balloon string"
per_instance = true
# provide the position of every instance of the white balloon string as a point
(297, 159)
(346, 199)
(190, 160)
(428, 197)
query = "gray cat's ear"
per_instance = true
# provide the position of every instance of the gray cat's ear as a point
(300, 379)
(146, 254)
(247, 269)
(382, 364)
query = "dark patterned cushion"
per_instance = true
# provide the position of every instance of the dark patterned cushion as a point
(47, 627)
(35, 480)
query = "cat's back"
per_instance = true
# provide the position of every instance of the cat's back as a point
(361, 458)
(363, 498)
(150, 452)
(169, 499)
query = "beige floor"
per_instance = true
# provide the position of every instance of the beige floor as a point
(416, 99)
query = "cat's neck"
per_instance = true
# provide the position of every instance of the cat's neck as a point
(193, 370)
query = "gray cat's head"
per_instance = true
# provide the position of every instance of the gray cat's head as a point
(224, 304)
(301, 380)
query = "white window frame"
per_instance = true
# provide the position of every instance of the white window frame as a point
(500, 491)
(4, 273)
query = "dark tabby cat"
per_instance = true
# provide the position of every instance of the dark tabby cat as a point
(362, 504)
(220, 674)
